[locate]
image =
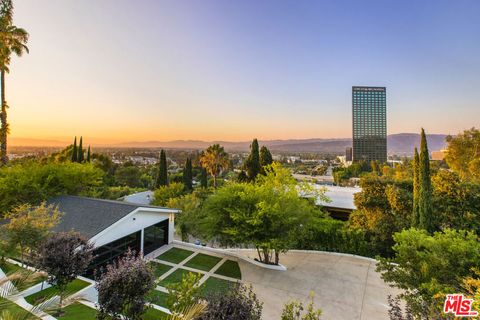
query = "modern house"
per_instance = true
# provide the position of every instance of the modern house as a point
(115, 226)
(341, 203)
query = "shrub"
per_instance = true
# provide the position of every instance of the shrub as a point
(123, 287)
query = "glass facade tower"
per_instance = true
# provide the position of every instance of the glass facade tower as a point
(369, 108)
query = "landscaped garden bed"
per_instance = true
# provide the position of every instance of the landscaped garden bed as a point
(175, 277)
(29, 281)
(230, 269)
(175, 255)
(16, 311)
(203, 262)
(158, 297)
(159, 268)
(78, 311)
(73, 287)
(215, 285)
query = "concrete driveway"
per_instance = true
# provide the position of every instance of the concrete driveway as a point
(346, 287)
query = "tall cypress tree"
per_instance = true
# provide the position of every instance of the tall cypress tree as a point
(80, 151)
(252, 165)
(416, 188)
(162, 175)
(425, 209)
(88, 154)
(188, 175)
(203, 178)
(74, 150)
(265, 156)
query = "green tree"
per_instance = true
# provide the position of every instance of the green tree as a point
(190, 205)
(80, 157)
(214, 160)
(203, 178)
(463, 154)
(266, 214)
(74, 151)
(252, 164)
(456, 202)
(265, 157)
(384, 206)
(28, 225)
(188, 175)
(416, 188)
(183, 294)
(12, 40)
(32, 182)
(128, 175)
(425, 210)
(293, 310)
(162, 175)
(428, 266)
(162, 195)
(88, 155)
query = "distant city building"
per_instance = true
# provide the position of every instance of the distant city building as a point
(369, 110)
(348, 154)
(439, 155)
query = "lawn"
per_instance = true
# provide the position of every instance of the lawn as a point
(203, 262)
(29, 281)
(175, 277)
(215, 285)
(78, 311)
(16, 311)
(158, 297)
(154, 314)
(175, 255)
(230, 269)
(159, 268)
(74, 286)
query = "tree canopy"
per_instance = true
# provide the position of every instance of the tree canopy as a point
(463, 154)
(266, 214)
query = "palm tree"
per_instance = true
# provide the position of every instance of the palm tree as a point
(12, 40)
(214, 160)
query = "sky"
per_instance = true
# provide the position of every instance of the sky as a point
(121, 70)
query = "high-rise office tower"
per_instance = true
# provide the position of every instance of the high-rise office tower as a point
(369, 109)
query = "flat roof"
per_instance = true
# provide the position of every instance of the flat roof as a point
(341, 197)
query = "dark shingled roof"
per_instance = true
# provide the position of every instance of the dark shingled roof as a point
(90, 216)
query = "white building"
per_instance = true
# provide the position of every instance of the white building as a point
(341, 200)
(115, 226)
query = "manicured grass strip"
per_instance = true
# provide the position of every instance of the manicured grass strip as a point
(158, 297)
(16, 311)
(74, 286)
(175, 277)
(175, 255)
(8, 267)
(154, 314)
(77, 311)
(159, 268)
(203, 262)
(215, 285)
(29, 281)
(230, 269)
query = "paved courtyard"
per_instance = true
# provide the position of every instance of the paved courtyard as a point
(346, 287)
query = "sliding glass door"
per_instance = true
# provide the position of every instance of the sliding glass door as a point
(155, 236)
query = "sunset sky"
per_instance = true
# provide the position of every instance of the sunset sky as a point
(122, 70)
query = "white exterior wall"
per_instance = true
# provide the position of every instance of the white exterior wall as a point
(135, 221)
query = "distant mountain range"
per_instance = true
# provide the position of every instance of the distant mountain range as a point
(400, 144)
